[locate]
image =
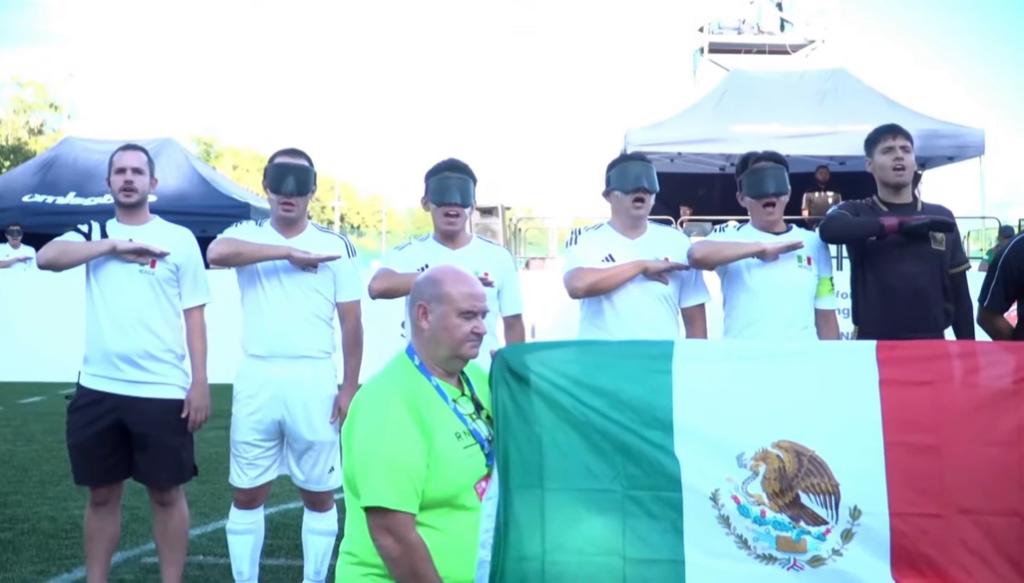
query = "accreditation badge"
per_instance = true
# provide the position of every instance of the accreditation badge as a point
(488, 522)
(481, 486)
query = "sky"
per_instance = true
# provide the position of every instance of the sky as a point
(535, 95)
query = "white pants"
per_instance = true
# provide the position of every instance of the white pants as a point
(281, 423)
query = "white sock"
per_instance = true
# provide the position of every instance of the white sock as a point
(319, 531)
(245, 543)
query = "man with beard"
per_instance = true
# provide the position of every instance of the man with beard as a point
(450, 196)
(908, 267)
(137, 404)
(776, 278)
(287, 406)
(630, 274)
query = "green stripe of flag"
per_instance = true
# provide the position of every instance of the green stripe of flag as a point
(590, 488)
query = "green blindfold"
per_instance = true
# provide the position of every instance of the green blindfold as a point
(765, 181)
(451, 189)
(632, 176)
(289, 179)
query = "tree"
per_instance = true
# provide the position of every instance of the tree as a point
(242, 165)
(30, 121)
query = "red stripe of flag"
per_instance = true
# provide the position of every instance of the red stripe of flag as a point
(954, 458)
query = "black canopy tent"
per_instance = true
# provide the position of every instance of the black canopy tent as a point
(66, 186)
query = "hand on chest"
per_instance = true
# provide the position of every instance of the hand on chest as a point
(144, 267)
(488, 276)
(641, 251)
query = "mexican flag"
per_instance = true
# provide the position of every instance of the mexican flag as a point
(758, 461)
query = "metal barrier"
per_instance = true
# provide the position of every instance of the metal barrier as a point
(976, 241)
(522, 226)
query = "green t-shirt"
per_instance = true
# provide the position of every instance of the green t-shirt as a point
(404, 449)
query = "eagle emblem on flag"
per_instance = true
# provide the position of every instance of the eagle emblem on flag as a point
(789, 503)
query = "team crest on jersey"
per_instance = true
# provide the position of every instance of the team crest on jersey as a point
(150, 267)
(786, 511)
(804, 261)
(484, 277)
(938, 240)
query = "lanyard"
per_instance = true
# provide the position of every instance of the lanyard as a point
(484, 443)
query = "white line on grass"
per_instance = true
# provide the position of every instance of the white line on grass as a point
(30, 400)
(208, 560)
(122, 556)
(68, 391)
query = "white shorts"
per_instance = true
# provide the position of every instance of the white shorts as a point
(281, 423)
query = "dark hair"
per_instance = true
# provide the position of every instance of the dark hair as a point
(622, 159)
(751, 158)
(1006, 232)
(12, 225)
(885, 132)
(131, 148)
(820, 166)
(289, 153)
(453, 165)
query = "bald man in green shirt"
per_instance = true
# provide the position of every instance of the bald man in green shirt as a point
(416, 445)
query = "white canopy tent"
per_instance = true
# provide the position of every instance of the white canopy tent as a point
(813, 116)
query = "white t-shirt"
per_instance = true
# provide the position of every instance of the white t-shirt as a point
(288, 312)
(134, 329)
(479, 257)
(775, 299)
(640, 309)
(8, 252)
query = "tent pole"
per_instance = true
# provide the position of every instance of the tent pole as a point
(337, 209)
(981, 184)
(383, 229)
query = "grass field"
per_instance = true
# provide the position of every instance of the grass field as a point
(41, 509)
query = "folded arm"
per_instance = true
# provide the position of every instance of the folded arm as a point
(586, 282)
(5, 263)
(230, 252)
(388, 284)
(712, 254)
(60, 255)
(840, 227)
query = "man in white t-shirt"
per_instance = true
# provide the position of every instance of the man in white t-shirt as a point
(776, 278)
(14, 254)
(137, 401)
(287, 407)
(449, 197)
(629, 273)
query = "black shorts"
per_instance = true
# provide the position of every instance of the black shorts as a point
(114, 437)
